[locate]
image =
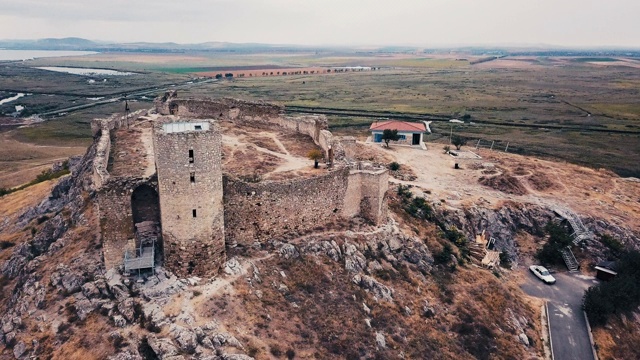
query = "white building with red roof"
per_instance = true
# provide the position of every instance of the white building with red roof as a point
(410, 132)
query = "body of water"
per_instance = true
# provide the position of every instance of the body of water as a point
(85, 71)
(10, 99)
(12, 55)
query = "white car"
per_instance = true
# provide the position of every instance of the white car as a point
(542, 273)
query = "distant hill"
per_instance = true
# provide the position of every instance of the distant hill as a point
(75, 43)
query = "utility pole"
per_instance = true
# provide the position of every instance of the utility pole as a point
(478, 144)
(506, 148)
(492, 144)
(450, 134)
(126, 110)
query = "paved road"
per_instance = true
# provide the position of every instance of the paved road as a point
(569, 333)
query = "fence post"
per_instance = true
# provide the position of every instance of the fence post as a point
(507, 148)
(478, 144)
(492, 144)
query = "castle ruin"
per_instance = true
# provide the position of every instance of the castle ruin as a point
(163, 191)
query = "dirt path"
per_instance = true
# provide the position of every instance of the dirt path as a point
(290, 162)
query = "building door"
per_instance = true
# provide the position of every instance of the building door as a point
(416, 139)
(377, 137)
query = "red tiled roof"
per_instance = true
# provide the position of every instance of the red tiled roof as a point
(398, 125)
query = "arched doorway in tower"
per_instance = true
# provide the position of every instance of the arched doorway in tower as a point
(145, 209)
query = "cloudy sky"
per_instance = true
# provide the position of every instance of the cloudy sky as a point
(330, 22)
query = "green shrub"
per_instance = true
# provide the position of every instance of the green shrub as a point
(505, 260)
(558, 238)
(404, 191)
(612, 243)
(419, 208)
(443, 256)
(619, 296)
(394, 166)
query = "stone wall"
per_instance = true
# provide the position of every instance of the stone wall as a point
(116, 217)
(101, 129)
(365, 194)
(257, 212)
(216, 108)
(191, 211)
(314, 126)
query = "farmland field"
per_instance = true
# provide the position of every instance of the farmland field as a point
(580, 94)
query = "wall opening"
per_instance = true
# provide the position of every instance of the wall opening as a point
(192, 177)
(191, 156)
(145, 210)
(193, 212)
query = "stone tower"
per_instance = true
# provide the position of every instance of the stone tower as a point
(188, 163)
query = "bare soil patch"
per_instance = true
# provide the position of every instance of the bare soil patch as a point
(297, 144)
(541, 182)
(505, 183)
(249, 162)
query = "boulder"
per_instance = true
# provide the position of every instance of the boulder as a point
(378, 289)
(428, 311)
(19, 349)
(162, 347)
(232, 267)
(380, 341)
(288, 251)
(185, 338)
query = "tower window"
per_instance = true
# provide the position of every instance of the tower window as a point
(191, 156)
(193, 177)
(194, 212)
(198, 127)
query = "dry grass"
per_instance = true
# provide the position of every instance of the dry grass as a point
(20, 162)
(128, 152)
(249, 162)
(619, 339)
(297, 144)
(15, 203)
(505, 183)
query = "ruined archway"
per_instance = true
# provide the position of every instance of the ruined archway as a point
(145, 211)
(145, 204)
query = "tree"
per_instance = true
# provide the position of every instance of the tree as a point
(315, 155)
(218, 76)
(458, 141)
(390, 135)
(228, 75)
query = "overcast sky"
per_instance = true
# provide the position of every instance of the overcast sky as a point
(329, 22)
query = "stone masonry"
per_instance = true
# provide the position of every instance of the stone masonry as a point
(188, 164)
(202, 211)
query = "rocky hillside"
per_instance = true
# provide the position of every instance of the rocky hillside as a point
(360, 293)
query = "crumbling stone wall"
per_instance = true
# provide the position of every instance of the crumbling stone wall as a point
(224, 108)
(315, 126)
(366, 194)
(257, 212)
(116, 217)
(191, 211)
(101, 129)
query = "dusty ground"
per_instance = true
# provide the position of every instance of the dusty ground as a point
(588, 192)
(265, 152)
(132, 151)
